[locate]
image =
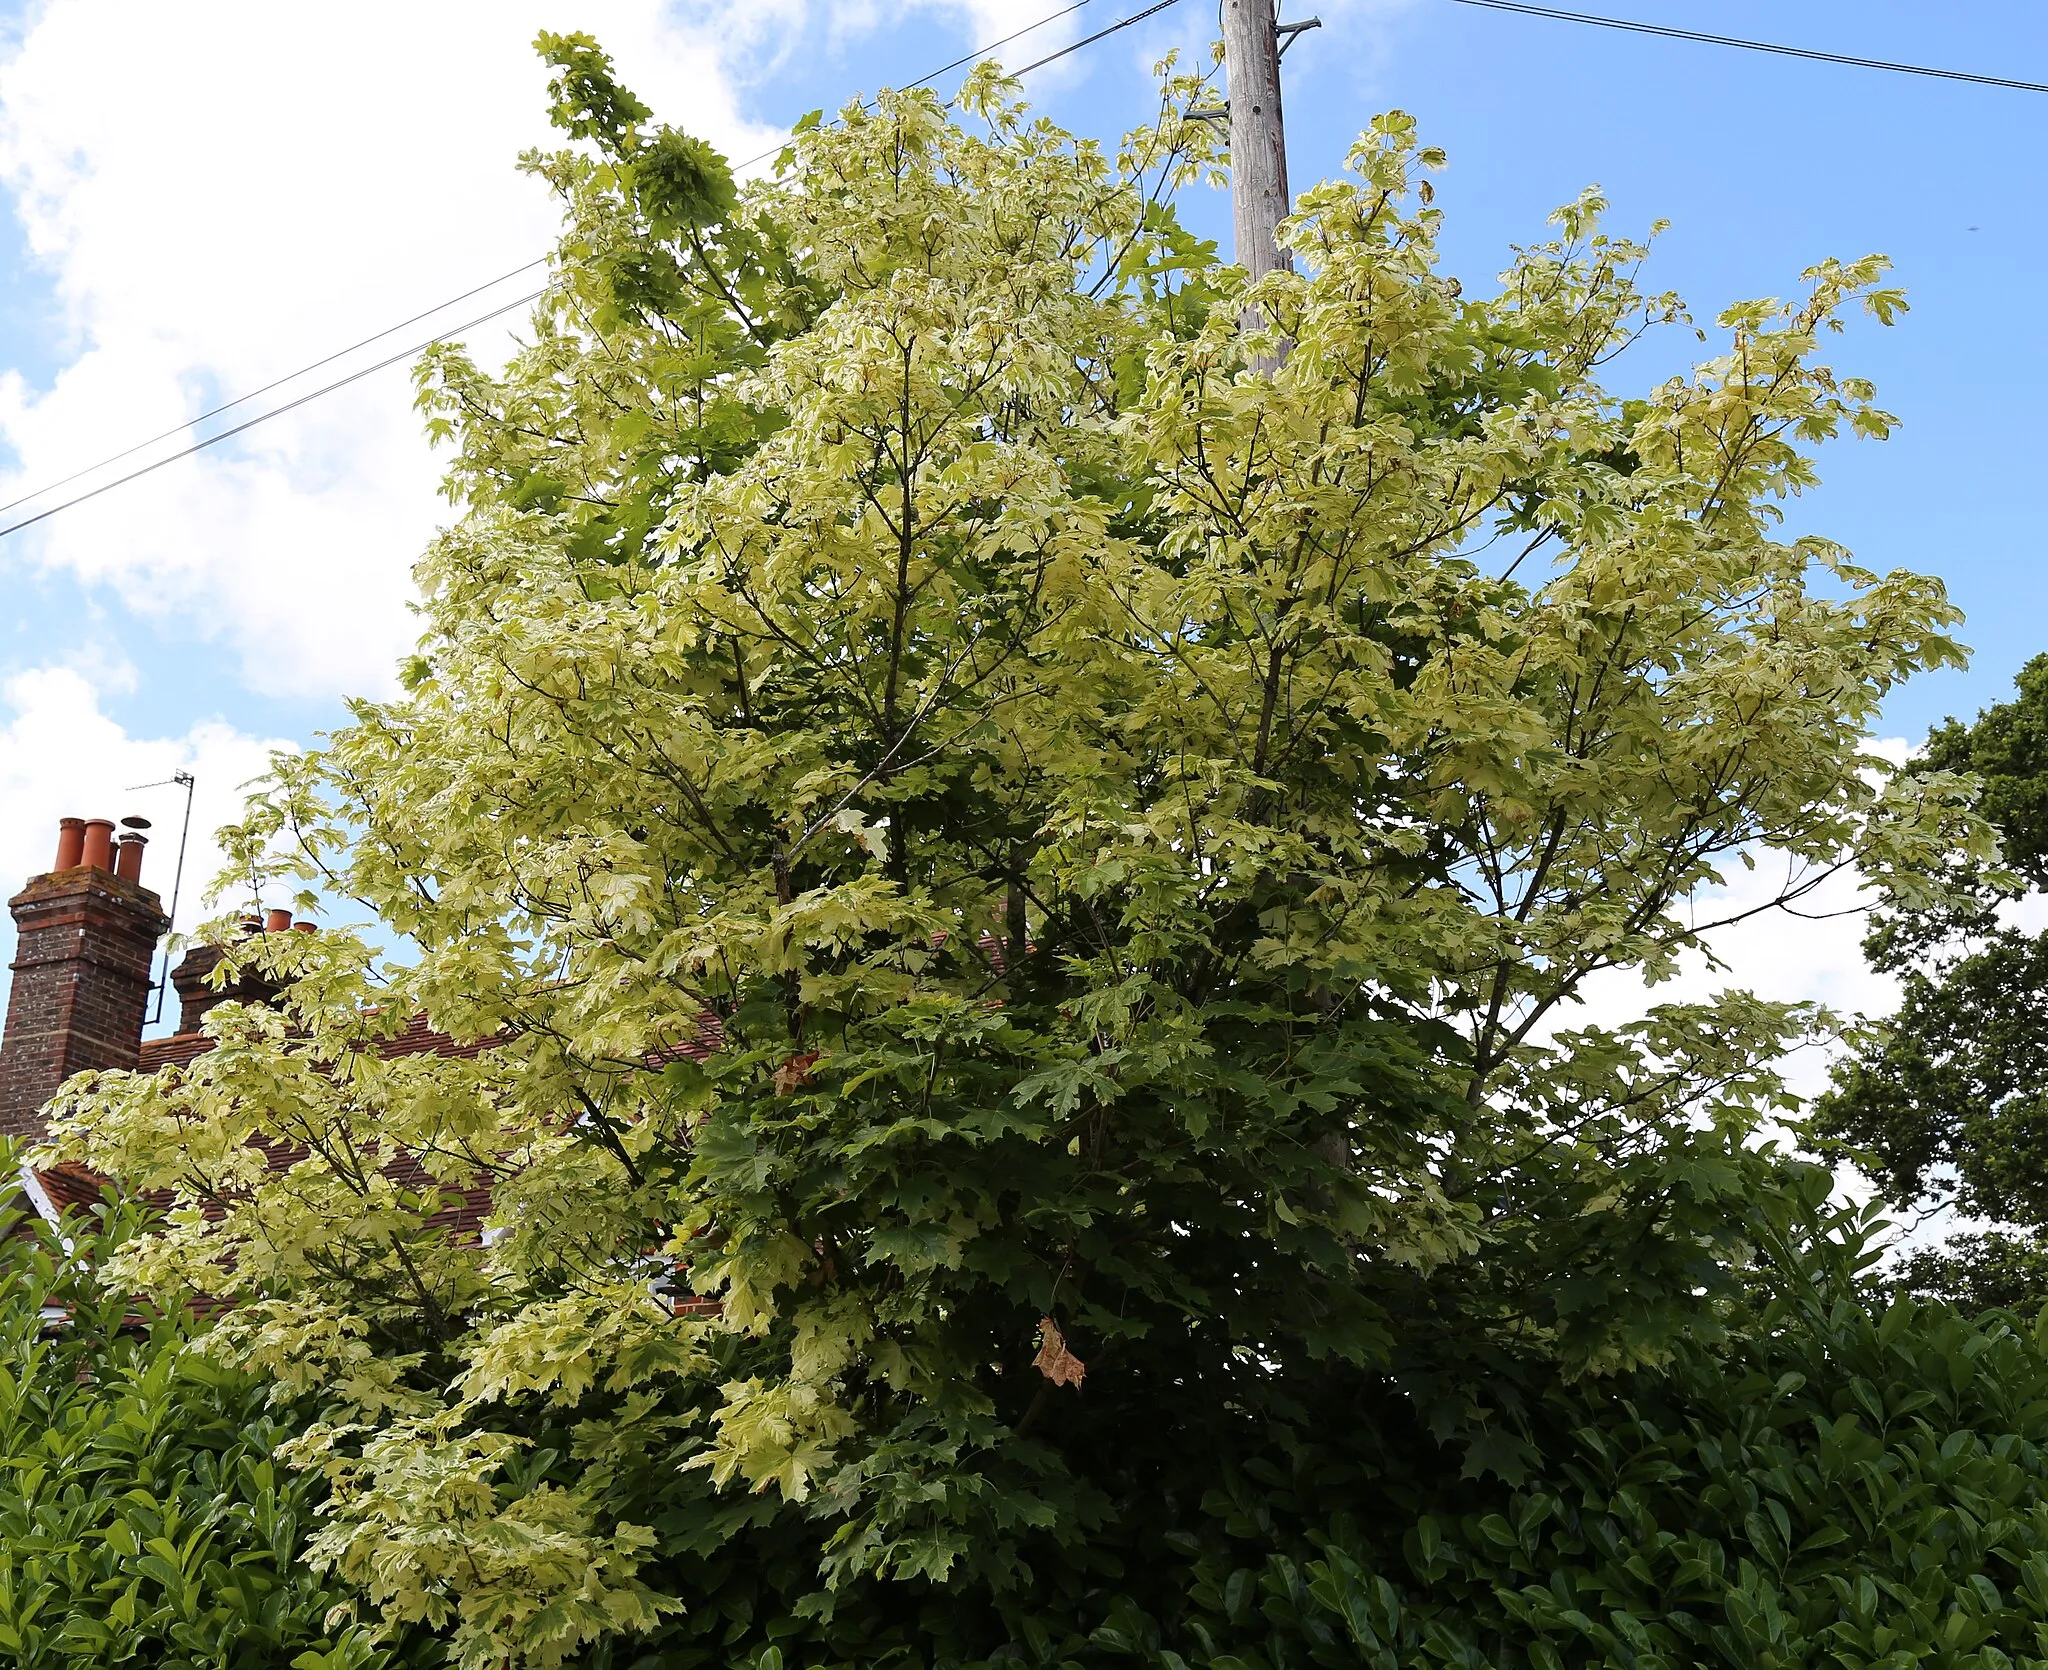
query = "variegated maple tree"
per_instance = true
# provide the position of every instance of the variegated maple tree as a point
(1129, 828)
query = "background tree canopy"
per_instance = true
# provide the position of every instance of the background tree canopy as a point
(1950, 1103)
(1131, 829)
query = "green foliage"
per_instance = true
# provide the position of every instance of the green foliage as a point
(1130, 827)
(1953, 1099)
(143, 1516)
(1948, 1101)
(588, 102)
(2007, 750)
(1814, 1475)
(1839, 1482)
(1989, 1270)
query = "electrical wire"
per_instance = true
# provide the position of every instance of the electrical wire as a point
(1100, 34)
(275, 383)
(265, 417)
(1669, 33)
(341, 353)
(1517, 7)
(982, 52)
(975, 56)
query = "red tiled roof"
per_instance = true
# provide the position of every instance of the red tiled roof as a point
(418, 1038)
(170, 1052)
(69, 1185)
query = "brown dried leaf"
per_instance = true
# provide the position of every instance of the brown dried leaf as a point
(794, 1072)
(1054, 1360)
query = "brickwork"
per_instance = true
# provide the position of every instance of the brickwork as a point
(196, 994)
(81, 988)
(81, 985)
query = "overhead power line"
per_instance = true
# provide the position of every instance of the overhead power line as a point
(262, 417)
(1668, 33)
(1518, 7)
(356, 376)
(982, 52)
(973, 57)
(274, 383)
(1099, 35)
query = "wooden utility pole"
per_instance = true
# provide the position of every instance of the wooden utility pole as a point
(1258, 140)
(1253, 40)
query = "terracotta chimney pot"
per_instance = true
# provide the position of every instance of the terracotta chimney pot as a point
(305, 927)
(70, 843)
(128, 857)
(99, 844)
(278, 922)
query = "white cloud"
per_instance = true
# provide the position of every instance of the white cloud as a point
(223, 190)
(1809, 952)
(62, 756)
(1813, 955)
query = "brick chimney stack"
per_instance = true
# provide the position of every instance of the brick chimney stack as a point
(87, 934)
(196, 996)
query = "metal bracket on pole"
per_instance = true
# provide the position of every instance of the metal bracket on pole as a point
(1286, 32)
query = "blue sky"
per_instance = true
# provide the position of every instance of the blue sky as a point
(1762, 165)
(201, 197)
